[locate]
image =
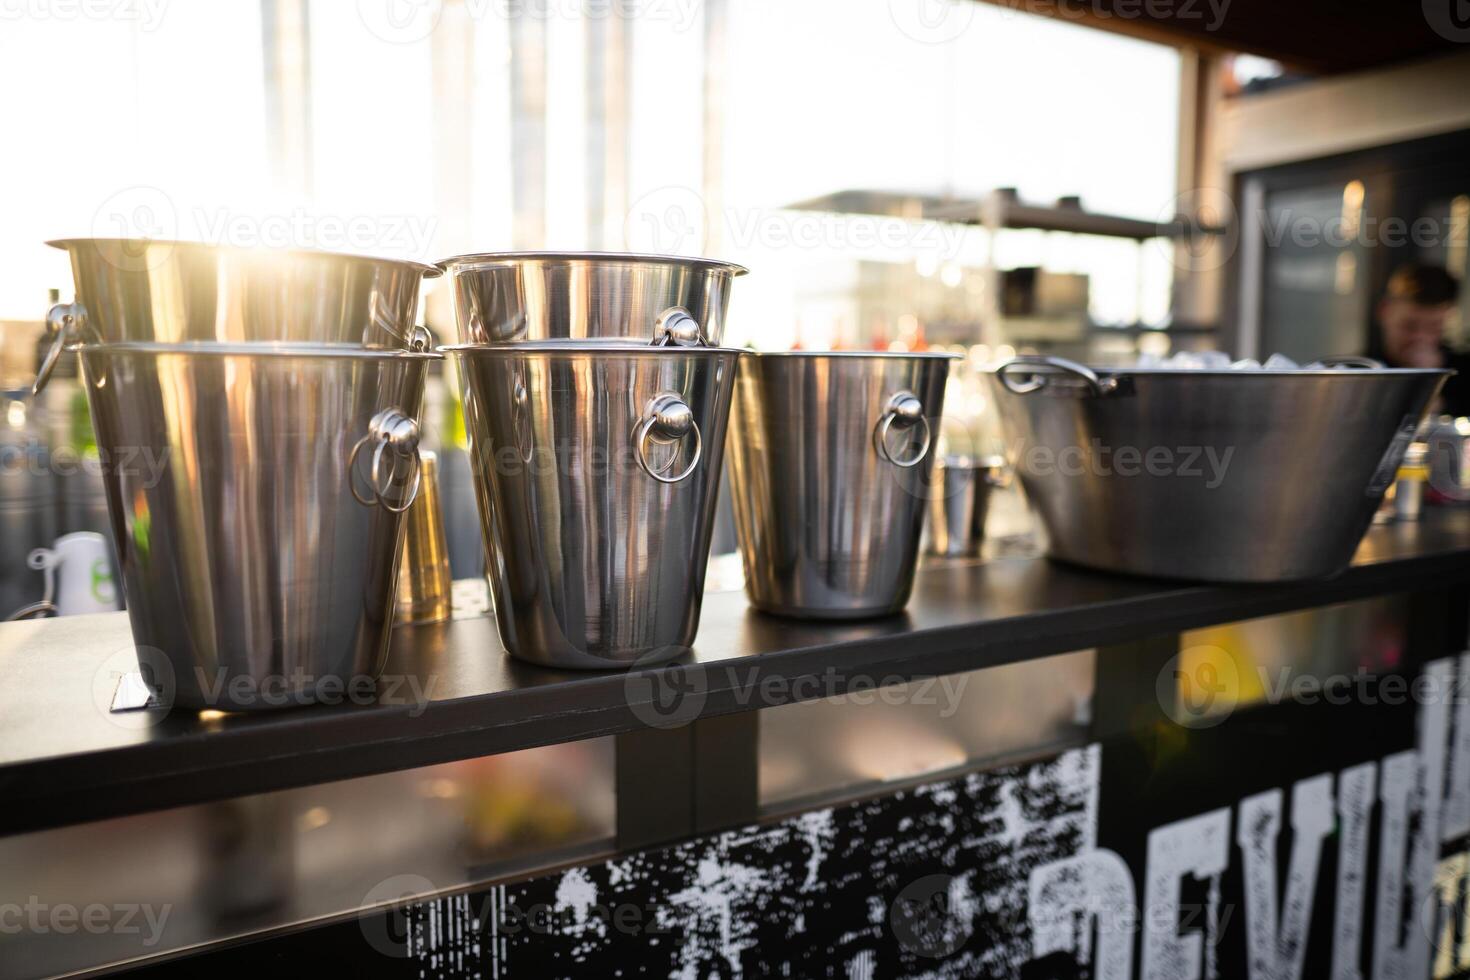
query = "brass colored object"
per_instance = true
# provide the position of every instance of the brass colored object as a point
(424, 583)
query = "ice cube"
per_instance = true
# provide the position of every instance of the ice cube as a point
(1214, 360)
(1280, 362)
(1246, 364)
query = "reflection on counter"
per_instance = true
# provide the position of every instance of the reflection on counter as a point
(850, 745)
(208, 872)
(1266, 660)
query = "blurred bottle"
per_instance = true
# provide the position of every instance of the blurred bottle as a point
(27, 500)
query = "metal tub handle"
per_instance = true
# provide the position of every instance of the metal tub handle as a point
(390, 431)
(1036, 380)
(676, 327)
(666, 419)
(904, 411)
(63, 322)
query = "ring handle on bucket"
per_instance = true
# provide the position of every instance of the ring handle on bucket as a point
(394, 432)
(667, 419)
(1036, 380)
(62, 322)
(676, 327)
(905, 411)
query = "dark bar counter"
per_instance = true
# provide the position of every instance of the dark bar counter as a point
(449, 691)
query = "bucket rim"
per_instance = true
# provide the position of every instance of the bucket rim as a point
(852, 355)
(425, 269)
(582, 348)
(473, 260)
(283, 349)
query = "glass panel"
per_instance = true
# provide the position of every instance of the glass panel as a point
(100, 893)
(1300, 655)
(848, 746)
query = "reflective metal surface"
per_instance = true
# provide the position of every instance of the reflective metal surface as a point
(597, 473)
(960, 502)
(502, 297)
(829, 464)
(1229, 476)
(255, 575)
(174, 292)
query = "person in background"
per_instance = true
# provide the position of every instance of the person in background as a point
(1412, 316)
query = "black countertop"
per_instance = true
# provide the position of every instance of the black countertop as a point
(66, 758)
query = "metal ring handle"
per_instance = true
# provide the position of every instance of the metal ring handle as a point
(380, 489)
(62, 320)
(420, 339)
(389, 429)
(1348, 361)
(1038, 379)
(677, 327)
(905, 410)
(669, 418)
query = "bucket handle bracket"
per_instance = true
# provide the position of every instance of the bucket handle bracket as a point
(391, 431)
(667, 418)
(904, 411)
(63, 322)
(676, 327)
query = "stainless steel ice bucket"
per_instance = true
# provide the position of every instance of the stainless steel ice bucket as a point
(597, 473)
(829, 464)
(1228, 476)
(959, 503)
(177, 292)
(256, 494)
(507, 297)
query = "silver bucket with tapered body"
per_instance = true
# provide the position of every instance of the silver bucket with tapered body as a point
(597, 472)
(517, 297)
(256, 495)
(1227, 476)
(830, 457)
